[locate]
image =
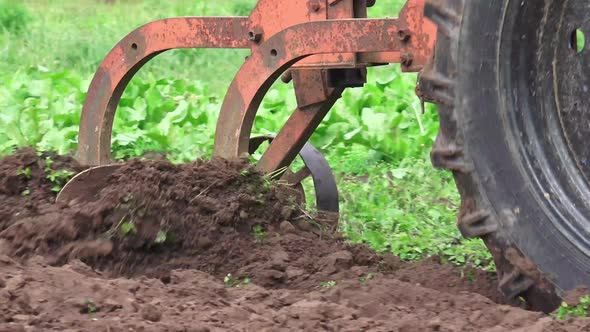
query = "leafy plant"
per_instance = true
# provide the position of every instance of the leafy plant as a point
(57, 177)
(580, 310)
(231, 281)
(470, 276)
(259, 234)
(161, 237)
(41, 109)
(26, 172)
(245, 173)
(127, 227)
(328, 284)
(90, 307)
(366, 278)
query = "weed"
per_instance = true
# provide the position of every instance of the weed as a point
(232, 282)
(267, 183)
(328, 284)
(580, 310)
(409, 210)
(470, 276)
(26, 192)
(57, 177)
(25, 172)
(259, 234)
(89, 307)
(366, 278)
(161, 237)
(127, 227)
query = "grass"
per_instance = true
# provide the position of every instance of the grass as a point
(76, 35)
(408, 209)
(376, 138)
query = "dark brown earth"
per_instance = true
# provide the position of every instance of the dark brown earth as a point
(213, 246)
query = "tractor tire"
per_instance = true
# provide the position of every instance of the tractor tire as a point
(509, 78)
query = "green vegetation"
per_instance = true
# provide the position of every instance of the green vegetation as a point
(580, 310)
(259, 233)
(89, 307)
(232, 282)
(328, 284)
(376, 138)
(58, 177)
(14, 17)
(408, 209)
(364, 279)
(128, 227)
(161, 237)
(25, 172)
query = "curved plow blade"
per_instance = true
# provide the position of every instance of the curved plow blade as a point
(86, 185)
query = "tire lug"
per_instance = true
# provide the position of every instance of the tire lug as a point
(514, 284)
(441, 12)
(448, 156)
(437, 88)
(477, 224)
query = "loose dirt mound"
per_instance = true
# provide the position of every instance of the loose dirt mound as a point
(215, 246)
(25, 183)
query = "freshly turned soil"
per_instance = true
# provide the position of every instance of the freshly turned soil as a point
(214, 246)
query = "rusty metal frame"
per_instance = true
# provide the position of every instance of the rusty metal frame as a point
(313, 39)
(272, 58)
(129, 55)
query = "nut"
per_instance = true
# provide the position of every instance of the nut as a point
(403, 35)
(254, 36)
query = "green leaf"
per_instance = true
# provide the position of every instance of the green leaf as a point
(127, 228)
(160, 237)
(174, 117)
(399, 173)
(372, 120)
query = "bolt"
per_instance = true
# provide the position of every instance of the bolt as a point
(287, 77)
(371, 3)
(403, 35)
(316, 7)
(254, 36)
(407, 59)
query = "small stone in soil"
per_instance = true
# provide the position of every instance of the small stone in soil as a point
(151, 313)
(287, 227)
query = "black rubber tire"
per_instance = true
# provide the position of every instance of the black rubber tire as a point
(520, 191)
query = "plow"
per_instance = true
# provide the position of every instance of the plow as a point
(508, 79)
